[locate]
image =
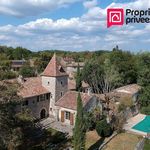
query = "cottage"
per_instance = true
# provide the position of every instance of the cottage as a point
(67, 106)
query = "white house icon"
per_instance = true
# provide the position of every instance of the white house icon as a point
(114, 15)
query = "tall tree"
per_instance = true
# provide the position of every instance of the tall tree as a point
(102, 77)
(78, 79)
(79, 129)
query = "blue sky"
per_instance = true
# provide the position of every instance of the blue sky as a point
(69, 25)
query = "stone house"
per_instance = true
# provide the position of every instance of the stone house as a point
(48, 95)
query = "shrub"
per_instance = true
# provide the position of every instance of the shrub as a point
(145, 110)
(103, 128)
(27, 71)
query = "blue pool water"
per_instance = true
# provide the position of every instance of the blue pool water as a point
(144, 125)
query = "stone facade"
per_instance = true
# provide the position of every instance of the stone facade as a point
(36, 104)
(57, 86)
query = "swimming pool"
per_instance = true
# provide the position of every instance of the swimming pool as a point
(144, 125)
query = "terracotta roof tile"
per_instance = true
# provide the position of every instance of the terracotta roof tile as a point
(72, 84)
(54, 68)
(128, 89)
(32, 87)
(69, 100)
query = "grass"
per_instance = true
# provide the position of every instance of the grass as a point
(123, 141)
(51, 140)
(147, 145)
(92, 140)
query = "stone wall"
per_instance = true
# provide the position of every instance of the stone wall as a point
(36, 106)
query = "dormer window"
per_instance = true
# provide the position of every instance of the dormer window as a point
(61, 69)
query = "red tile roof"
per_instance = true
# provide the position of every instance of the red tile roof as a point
(54, 68)
(69, 100)
(32, 87)
(72, 84)
(128, 89)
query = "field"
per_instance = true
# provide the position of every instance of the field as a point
(92, 140)
(123, 141)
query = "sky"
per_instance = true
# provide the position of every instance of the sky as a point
(74, 25)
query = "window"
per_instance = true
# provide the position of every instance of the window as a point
(42, 97)
(61, 83)
(38, 98)
(47, 96)
(48, 83)
(67, 115)
(25, 103)
(61, 93)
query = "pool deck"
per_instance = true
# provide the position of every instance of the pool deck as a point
(132, 122)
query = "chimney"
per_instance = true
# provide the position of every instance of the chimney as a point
(89, 91)
(20, 79)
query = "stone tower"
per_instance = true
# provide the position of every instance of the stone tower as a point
(55, 79)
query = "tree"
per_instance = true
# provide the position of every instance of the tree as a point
(92, 117)
(27, 71)
(78, 80)
(144, 69)
(145, 96)
(125, 63)
(8, 101)
(79, 129)
(145, 110)
(17, 130)
(103, 128)
(102, 77)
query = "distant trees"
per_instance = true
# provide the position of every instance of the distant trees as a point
(17, 53)
(42, 60)
(79, 129)
(5, 66)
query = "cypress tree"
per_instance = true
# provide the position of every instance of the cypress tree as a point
(78, 80)
(79, 129)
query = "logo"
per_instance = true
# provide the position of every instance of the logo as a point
(115, 16)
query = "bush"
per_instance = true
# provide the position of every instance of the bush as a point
(27, 71)
(7, 75)
(147, 144)
(145, 110)
(103, 128)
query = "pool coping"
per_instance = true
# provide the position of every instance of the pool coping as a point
(130, 124)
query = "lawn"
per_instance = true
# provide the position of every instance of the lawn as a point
(92, 140)
(147, 145)
(123, 141)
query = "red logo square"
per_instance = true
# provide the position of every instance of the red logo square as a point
(115, 16)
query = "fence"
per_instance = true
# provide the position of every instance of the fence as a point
(140, 145)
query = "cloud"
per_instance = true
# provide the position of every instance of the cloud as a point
(90, 4)
(23, 8)
(87, 32)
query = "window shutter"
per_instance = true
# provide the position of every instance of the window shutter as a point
(71, 119)
(62, 116)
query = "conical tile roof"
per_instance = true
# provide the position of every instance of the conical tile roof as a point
(54, 69)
